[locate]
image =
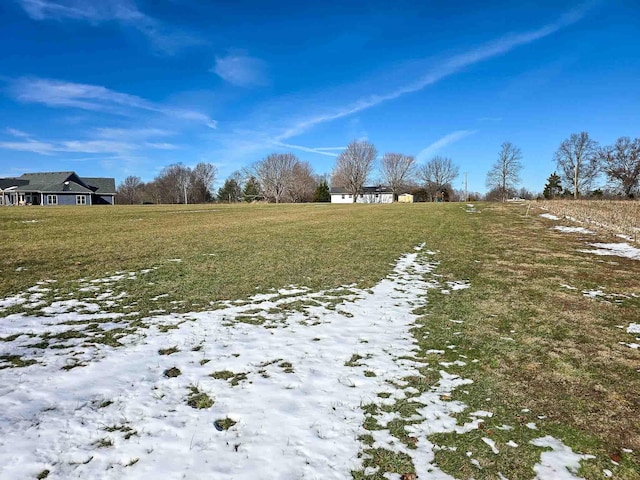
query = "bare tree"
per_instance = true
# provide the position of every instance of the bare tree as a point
(174, 183)
(353, 167)
(152, 192)
(303, 185)
(437, 174)
(505, 173)
(202, 177)
(621, 164)
(577, 160)
(130, 190)
(397, 170)
(275, 173)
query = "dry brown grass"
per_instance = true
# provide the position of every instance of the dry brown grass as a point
(616, 216)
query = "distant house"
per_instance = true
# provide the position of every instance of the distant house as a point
(405, 198)
(377, 194)
(56, 188)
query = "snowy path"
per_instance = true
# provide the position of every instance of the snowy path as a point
(292, 379)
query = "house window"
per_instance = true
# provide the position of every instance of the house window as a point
(52, 199)
(343, 197)
(361, 195)
(81, 199)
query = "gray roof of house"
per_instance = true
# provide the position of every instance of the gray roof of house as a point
(55, 182)
(11, 182)
(104, 185)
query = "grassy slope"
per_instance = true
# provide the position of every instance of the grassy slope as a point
(564, 361)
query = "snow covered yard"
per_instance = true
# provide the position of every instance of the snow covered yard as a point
(273, 387)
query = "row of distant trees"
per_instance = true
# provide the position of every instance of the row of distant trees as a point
(580, 162)
(283, 177)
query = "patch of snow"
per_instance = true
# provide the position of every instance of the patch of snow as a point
(549, 216)
(615, 249)
(459, 285)
(561, 463)
(481, 413)
(491, 444)
(457, 363)
(564, 229)
(65, 306)
(568, 287)
(633, 328)
(628, 238)
(512, 444)
(531, 426)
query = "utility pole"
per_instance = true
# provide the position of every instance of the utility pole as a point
(466, 195)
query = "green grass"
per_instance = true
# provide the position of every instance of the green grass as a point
(539, 347)
(198, 399)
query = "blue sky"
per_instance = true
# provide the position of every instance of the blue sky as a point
(124, 87)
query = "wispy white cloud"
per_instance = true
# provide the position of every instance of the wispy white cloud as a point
(29, 145)
(61, 94)
(329, 148)
(448, 139)
(124, 12)
(16, 133)
(445, 69)
(101, 142)
(241, 70)
(326, 151)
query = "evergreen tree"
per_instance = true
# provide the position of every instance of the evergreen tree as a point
(553, 188)
(322, 193)
(251, 190)
(230, 191)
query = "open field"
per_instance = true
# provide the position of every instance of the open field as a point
(316, 341)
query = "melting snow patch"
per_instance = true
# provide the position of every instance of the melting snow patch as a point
(560, 463)
(633, 328)
(615, 249)
(564, 229)
(459, 285)
(491, 444)
(549, 216)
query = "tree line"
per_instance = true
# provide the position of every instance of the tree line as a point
(283, 177)
(580, 162)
